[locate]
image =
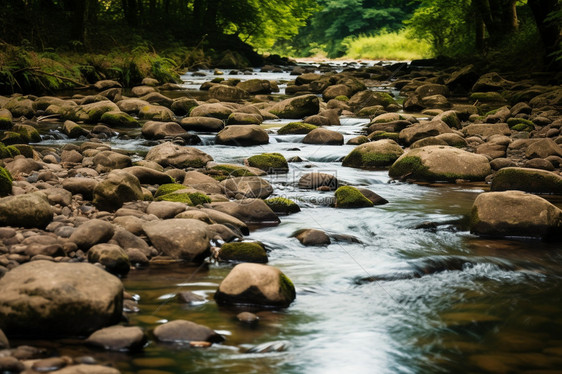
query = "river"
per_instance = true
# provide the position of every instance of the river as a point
(393, 295)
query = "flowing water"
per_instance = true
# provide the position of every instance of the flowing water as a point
(391, 294)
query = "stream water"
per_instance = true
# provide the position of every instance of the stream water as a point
(387, 297)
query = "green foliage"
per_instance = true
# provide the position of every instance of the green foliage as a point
(387, 45)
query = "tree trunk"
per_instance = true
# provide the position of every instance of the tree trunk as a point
(549, 31)
(210, 18)
(78, 21)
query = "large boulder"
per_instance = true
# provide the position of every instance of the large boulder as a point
(118, 188)
(204, 124)
(248, 211)
(515, 213)
(91, 233)
(486, 129)
(543, 148)
(373, 155)
(296, 107)
(369, 98)
(147, 175)
(256, 86)
(528, 180)
(351, 197)
(256, 284)
(43, 298)
(423, 130)
(272, 163)
(247, 187)
(215, 110)
(185, 239)
(170, 154)
(161, 130)
(440, 163)
(318, 180)
(242, 135)
(28, 210)
(106, 161)
(202, 182)
(323, 136)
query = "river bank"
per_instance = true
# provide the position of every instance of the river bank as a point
(407, 278)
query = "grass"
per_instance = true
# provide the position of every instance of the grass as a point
(386, 46)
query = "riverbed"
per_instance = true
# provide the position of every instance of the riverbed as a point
(403, 288)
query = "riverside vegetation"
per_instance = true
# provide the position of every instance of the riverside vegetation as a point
(77, 217)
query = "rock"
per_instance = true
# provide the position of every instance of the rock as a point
(183, 105)
(185, 239)
(430, 89)
(370, 98)
(4, 343)
(202, 182)
(28, 210)
(247, 187)
(83, 186)
(312, 237)
(223, 92)
(227, 220)
(23, 166)
(528, 180)
(351, 197)
(74, 130)
(271, 163)
(248, 318)
(423, 130)
(43, 245)
(132, 105)
(316, 180)
(203, 124)
(373, 155)
(149, 176)
(539, 163)
(323, 136)
(296, 128)
(296, 107)
(491, 82)
(237, 118)
(242, 135)
(189, 297)
(118, 188)
(282, 206)
(156, 113)
(161, 130)
(6, 119)
(440, 163)
(43, 298)
(113, 258)
(216, 110)
(179, 331)
(454, 140)
(543, 148)
(243, 252)
(373, 197)
(9, 364)
(515, 213)
(436, 102)
(91, 233)
(256, 86)
(106, 161)
(165, 209)
(119, 119)
(247, 210)
(5, 182)
(492, 150)
(118, 338)
(256, 284)
(158, 98)
(486, 130)
(170, 154)
(20, 106)
(142, 90)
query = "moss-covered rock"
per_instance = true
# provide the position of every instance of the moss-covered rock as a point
(281, 205)
(440, 163)
(296, 107)
(6, 119)
(379, 135)
(199, 198)
(351, 197)
(181, 197)
(296, 128)
(243, 252)
(113, 258)
(119, 119)
(168, 188)
(20, 149)
(487, 97)
(12, 137)
(373, 155)
(273, 163)
(5, 182)
(528, 180)
(28, 133)
(224, 171)
(343, 98)
(520, 124)
(73, 130)
(8, 151)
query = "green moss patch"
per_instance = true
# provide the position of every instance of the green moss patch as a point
(176, 197)
(281, 205)
(296, 128)
(168, 188)
(243, 252)
(528, 180)
(378, 135)
(5, 182)
(368, 160)
(222, 172)
(351, 197)
(269, 162)
(286, 287)
(520, 124)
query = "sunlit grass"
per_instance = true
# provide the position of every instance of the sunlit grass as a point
(387, 46)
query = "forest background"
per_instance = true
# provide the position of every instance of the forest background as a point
(62, 43)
